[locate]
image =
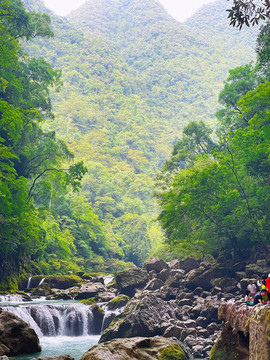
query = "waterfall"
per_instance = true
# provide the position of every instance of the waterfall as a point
(109, 315)
(41, 281)
(56, 319)
(29, 282)
(10, 298)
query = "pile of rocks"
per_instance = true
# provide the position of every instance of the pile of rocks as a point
(166, 300)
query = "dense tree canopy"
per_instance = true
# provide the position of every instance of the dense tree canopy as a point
(220, 200)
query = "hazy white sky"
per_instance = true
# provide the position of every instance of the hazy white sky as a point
(179, 9)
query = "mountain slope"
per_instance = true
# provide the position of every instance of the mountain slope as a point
(133, 78)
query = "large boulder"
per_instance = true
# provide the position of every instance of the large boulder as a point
(90, 290)
(155, 264)
(189, 264)
(205, 279)
(63, 281)
(136, 348)
(17, 336)
(141, 317)
(128, 281)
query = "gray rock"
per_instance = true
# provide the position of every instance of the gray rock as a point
(173, 331)
(4, 350)
(4, 357)
(17, 335)
(190, 323)
(190, 340)
(201, 321)
(155, 264)
(203, 333)
(189, 264)
(127, 281)
(89, 290)
(164, 274)
(183, 302)
(174, 264)
(133, 348)
(154, 284)
(239, 266)
(141, 316)
(118, 302)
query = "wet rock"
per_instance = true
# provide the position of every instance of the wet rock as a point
(98, 315)
(155, 264)
(140, 317)
(135, 348)
(127, 281)
(17, 336)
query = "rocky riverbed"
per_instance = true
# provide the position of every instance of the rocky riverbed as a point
(177, 300)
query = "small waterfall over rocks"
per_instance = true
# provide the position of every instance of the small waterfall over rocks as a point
(11, 298)
(57, 319)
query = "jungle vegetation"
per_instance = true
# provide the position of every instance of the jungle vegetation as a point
(90, 107)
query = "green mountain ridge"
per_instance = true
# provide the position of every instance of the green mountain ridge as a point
(133, 78)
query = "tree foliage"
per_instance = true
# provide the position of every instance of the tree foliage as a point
(221, 200)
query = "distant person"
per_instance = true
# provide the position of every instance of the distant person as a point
(248, 298)
(252, 288)
(259, 297)
(262, 282)
(267, 281)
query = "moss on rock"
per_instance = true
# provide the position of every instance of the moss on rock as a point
(173, 352)
(118, 302)
(220, 352)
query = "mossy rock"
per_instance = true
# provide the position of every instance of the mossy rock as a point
(173, 352)
(118, 302)
(42, 290)
(220, 352)
(63, 281)
(59, 296)
(111, 284)
(90, 301)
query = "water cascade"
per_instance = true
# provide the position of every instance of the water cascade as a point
(29, 282)
(41, 281)
(57, 319)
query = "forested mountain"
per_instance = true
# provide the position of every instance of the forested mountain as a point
(132, 78)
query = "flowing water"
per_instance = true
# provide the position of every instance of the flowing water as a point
(63, 327)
